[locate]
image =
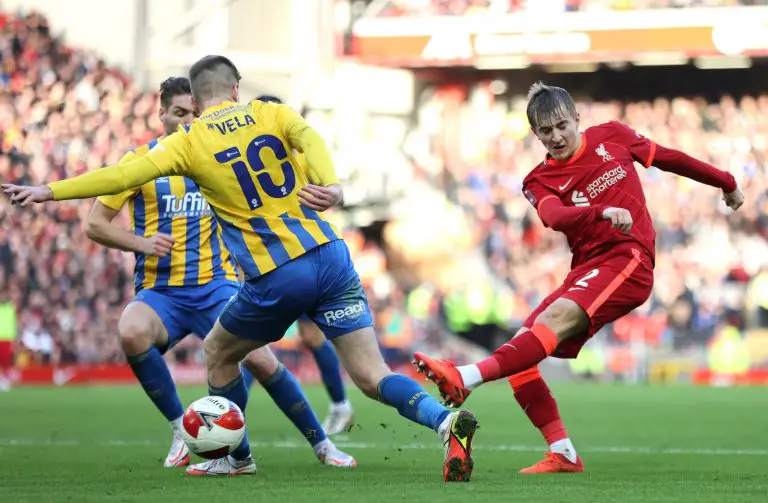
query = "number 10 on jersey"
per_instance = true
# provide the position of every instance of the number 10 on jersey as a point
(264, 179)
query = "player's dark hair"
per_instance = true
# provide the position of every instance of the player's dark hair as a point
(212, 77)
(173, 86)
(268, 98)
(546, 102)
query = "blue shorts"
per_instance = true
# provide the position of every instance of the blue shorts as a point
(322, 283)
(188, 310)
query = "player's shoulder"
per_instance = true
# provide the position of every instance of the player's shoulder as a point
(611, 130)
(533, 174)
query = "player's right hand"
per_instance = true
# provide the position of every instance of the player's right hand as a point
(320, 198)
(620, 218)
(734, 199)
(158, 245)
(26, 194)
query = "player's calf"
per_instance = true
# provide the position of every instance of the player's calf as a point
(223, 353)
(559, 321)
(360, 354)
(141, 332)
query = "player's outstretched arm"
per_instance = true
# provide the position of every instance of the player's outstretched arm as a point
(680, 163)
(649, 154)
(99, 226)
(109, 180)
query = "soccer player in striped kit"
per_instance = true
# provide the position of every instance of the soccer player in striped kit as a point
(184, 276)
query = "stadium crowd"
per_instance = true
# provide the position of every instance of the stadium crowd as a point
(395, 8)
(63, 111)
(710, 265)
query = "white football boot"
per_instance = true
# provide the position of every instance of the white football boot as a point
(340, 418)
(179, 453)
(223, 466)
(330, 455)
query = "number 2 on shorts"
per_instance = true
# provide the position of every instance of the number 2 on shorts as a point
(583, 281)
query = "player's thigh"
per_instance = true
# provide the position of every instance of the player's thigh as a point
(606, 293)
(342, 306)
(311, 336)
(361, 357)
(565, 318)
(152, 318)
(264, 308)
(630, 287)
(223, 348)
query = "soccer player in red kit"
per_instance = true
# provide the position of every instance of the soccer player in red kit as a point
(587, 188)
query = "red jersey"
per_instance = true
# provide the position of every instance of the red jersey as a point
(571, 195)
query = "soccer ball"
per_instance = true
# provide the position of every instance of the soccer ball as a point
(213, 427)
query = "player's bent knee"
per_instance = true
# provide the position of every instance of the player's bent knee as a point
(368, 380)
(311, 336)
(261, 363)
(565, 318)
(137, 334)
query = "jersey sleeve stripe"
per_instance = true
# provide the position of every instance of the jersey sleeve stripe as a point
(297, 229)
(651, 155)
(544, 199)
(615, 283)
(325, 227)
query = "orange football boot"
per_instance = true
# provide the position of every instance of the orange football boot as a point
(447, 377)
(457, 439)
(555, 463)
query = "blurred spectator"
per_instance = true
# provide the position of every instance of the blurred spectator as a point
(471, 257)
(470, 7)
(478, 150)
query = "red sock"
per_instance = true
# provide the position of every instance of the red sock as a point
(519, 353)
(536, 400)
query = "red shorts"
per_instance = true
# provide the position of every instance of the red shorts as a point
(606, 288)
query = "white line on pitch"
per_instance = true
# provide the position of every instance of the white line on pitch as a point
(289, 444)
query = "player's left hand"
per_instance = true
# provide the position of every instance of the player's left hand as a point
(24, 194)
(320, 198)
(734, 199)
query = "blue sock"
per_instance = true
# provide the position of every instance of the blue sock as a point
(153, 374)
(236, 392)
(411, 401)
(247, 378)
(288, 395)
(330, 370)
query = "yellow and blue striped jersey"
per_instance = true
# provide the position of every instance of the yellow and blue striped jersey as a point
(173, 205)
(241, 156)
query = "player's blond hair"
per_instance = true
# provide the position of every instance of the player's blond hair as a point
(547, 102)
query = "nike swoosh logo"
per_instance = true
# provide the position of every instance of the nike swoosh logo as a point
(575, 288)
(563, 187)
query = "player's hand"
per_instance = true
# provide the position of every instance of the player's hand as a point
(25, 194)
(734, 199)
(620, 218)
(320, 198)
(158, 245)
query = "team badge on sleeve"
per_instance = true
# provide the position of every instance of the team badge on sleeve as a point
(531, 198)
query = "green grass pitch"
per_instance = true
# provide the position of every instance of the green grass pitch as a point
(639, 444)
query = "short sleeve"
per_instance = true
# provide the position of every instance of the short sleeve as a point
(640, 148)
(117, 201)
